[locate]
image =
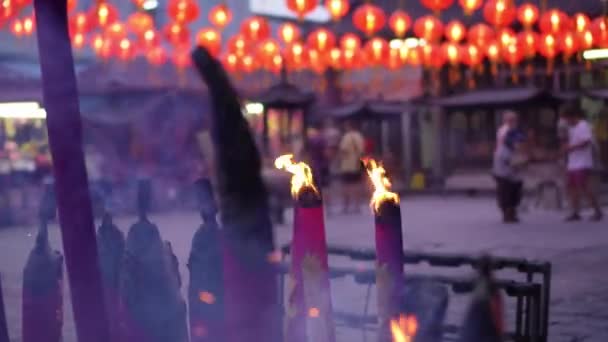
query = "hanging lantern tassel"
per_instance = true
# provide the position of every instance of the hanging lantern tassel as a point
(494, 68)
(550, 66)
(471, 83)
(514, 74)
(529, 71)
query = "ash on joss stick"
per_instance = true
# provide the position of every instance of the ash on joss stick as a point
(206, 289)
(111, 247)
(154, 309)
(43, 287)
(250, 281)
(389, 247)
(309, 311)
(484, 320)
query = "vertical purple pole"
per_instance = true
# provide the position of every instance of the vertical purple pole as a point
(3, 325)
(71, 185)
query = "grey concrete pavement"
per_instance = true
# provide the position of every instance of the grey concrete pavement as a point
(578, 251)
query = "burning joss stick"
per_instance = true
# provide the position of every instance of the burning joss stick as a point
(404, 328)
(309, 313)
(389, 246)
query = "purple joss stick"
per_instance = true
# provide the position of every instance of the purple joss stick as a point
(389, 248)
(3, 325)
(71, 185)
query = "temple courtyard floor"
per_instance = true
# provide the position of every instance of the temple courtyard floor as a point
(577, 251)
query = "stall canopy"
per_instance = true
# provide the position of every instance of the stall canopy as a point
(285, 95)
(499, 98)
(370, 109)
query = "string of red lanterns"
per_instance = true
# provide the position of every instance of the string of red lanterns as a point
(253, 48)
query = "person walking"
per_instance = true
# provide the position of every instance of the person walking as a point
(505, 168)
(579, 152)
(352, 147)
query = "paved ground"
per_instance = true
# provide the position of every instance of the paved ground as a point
(579, 253)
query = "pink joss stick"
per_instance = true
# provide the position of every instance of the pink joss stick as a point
(309, 311)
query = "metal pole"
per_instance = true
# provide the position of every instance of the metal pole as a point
(71, 185)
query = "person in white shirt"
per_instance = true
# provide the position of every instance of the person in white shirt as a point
(510, 120)
(579, 151)
(352, 148)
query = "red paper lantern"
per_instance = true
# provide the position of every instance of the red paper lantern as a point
(238, 45)
(104, 14)
(72, 5)
(156, 56)
(255, 29)
(302, 7)
(555, 21)
(150, 39)
(452, 53)
(352, 59)
(437, 5)
(569, 44)
(220, 16)
(181, 57)
(321, 40)
(289, 33)
(275, 65)
(334, 58)
(480, 35)
(210, 39)
(472, 55)
(527, 14)
(455, 31)
(268, 49)
(499, 12)
(433, 56)
(528, 42)
(599, 29)
(97, 43)
(512, 55)
(548, 46)
(126, 50)
(296, 56)
(17, 28)
(177, 34)
(29, 25)
(231, 62)
(183, 11)
(428, 28)
(80, 23)
(400, 22)
(337, 8)
(140, 22)
(316, 62)
(393, 60)
(493, 52)
(586, 40)
(369, 19)
(78, 40)
(350, 41)
(248, 64)
(506, 37)
(581, 22)
(470, 6)
(414, 56)
(376, 51)
(116, 31)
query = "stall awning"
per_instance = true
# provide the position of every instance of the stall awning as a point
(369, 109)
(498, 98)
(285, 96)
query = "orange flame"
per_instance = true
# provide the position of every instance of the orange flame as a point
(302, 174)
(382, 184)
(404, 328)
